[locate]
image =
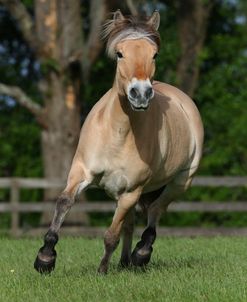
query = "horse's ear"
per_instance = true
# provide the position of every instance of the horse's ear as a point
(154, 20)
(118, 16)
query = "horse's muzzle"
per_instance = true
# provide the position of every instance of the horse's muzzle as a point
(139, 95)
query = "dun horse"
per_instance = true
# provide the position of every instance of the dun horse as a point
(142, 143)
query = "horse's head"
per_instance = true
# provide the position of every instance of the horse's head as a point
(135, 44)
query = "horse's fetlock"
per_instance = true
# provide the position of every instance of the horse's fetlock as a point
(149, 236)
(47, 251)
(51, 238)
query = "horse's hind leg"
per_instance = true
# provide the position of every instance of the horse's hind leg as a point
(142, 253)
(128, 228)
(46, 258)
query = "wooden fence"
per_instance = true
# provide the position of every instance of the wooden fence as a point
(15, 207)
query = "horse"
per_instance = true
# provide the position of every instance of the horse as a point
(141, 143)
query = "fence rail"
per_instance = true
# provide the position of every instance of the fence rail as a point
(15, 207)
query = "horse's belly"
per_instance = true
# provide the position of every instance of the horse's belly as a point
(165, 173)
(158, 181)
(153, 186)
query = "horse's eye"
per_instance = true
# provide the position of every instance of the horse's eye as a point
(119, 55)
(154, 57)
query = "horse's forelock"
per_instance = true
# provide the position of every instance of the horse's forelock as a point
(130, 27)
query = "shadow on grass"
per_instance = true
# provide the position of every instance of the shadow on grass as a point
(90, 270)
(177, 263)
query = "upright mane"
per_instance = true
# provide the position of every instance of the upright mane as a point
(128, 28)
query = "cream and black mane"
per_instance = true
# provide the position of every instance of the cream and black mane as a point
(128, 28)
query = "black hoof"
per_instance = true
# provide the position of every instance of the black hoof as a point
(124, 263)
(141, 257)
(45, 266)
(102, 270)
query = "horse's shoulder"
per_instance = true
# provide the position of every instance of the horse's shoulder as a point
(98, 109)
(171, 92)
(182, 103)
(176, 97)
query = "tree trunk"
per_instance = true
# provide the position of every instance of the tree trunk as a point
(60, 139)
(56, 37)
(59, 28)
(192, 17)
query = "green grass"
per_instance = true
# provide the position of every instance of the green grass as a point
(200, 269)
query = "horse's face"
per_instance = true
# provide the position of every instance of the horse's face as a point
(135, 71)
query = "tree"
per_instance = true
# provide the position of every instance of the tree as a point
(222, 94)
(56, 37)
(192, 20)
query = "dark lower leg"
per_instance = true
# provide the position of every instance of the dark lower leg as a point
(143, 250)
(125, 260)
(46, 258)
(128, 229)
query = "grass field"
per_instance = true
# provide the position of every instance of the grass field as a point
(182, 269)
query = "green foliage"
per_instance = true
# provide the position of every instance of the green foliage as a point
(20, 152)
(222, 93)
(28, 3)
(170, 51)
(49, 64)
(19, 138)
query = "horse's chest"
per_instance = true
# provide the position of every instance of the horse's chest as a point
(115, 182)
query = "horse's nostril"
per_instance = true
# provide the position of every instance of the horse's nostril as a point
(149, 92)
(134, 93)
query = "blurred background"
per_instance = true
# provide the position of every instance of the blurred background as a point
(53, 69)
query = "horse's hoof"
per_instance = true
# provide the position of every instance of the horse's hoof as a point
(45, 266)
(141, 257)
(102, 270)
(124, 263)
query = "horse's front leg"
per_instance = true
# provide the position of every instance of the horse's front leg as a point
(46, 258)
(111, 239)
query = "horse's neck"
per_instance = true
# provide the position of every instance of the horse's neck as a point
(121, 117)
(117, 110)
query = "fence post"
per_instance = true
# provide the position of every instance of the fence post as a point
(14, 200)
